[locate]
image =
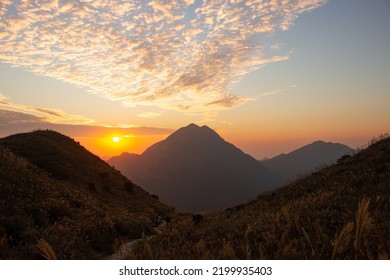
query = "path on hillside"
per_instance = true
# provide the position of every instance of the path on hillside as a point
(125, 250)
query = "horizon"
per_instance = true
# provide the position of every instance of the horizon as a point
(117, 141)
(268, 77)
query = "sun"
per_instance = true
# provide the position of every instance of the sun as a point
(116, 139)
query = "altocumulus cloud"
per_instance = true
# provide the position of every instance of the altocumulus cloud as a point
(181, 55)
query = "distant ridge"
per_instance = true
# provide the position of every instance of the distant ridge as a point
(195, 169)
(305, 159)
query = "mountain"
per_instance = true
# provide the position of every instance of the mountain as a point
(341, 211)
(53, 189)
(305, 159)
(195, 169)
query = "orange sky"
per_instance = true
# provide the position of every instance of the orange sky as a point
(105, 147)
(268, 76)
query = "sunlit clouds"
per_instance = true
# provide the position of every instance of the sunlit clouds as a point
(42, 114)
(175, 55)
(149, 115)
(277, 91)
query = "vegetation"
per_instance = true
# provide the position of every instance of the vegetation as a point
(57, 200)
(339, 212)
(72, 205)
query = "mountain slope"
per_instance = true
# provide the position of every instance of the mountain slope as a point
(341, 211)
(53, 189)
(195, 169)
(305, 159)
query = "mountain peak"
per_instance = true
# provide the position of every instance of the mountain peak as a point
(196, 169)
(193, 133)
(306, 158)
(195, 127)
(319, 142)
(192, 125)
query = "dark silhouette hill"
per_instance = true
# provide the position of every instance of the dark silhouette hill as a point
(341, 211)
(305, 159)
(195, 169)
(52, 188)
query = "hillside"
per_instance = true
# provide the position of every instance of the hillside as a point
(54, 189)
(339, 212)
(305, 159)
(195, 169)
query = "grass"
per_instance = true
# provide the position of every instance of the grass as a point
(338, 212)
(80, 208)
(46, 250)
(54, 203)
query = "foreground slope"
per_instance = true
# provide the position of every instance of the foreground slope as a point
(305, 159)
(340, 212)
(195, 169)
(53, 189)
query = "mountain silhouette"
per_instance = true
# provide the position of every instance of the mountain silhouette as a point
(305, 159)
(340, 211)
(53, 189)
(195, 169)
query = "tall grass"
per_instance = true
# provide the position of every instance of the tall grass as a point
(46, 250)
(326, 215)
(343, 240)
(364, 226)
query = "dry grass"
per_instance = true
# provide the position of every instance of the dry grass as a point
(338, 212)
(364, 226)
(343, 240)
(46, 250)
(59, 205)
(326, 215)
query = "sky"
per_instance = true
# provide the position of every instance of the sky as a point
(268, 76)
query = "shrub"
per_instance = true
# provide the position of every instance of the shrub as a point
(92, 187)
(104, 175)
(128, 187)
(15, 227)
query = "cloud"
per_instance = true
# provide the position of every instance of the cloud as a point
(8, 118)
(229, 100)
(149, 115)
(17, 118)
(12, 122)
(277, 91)
(45, 114)
(177, 55)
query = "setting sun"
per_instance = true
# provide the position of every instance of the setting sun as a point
(116, 139)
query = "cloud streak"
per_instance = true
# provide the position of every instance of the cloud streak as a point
(12, 122)
(276, 91)
(44, 114)
(181, 55)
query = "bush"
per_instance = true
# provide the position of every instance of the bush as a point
(122, 227)
(128, 187)
(57, 212)
(15, 227)
(92, 187)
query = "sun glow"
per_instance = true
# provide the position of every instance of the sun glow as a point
(116, 139)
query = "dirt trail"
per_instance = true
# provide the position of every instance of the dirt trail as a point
(125, 250)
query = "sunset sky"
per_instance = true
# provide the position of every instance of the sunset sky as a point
(268, 76)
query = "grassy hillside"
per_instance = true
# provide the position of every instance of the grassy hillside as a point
(339, 212)
(51, 188)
